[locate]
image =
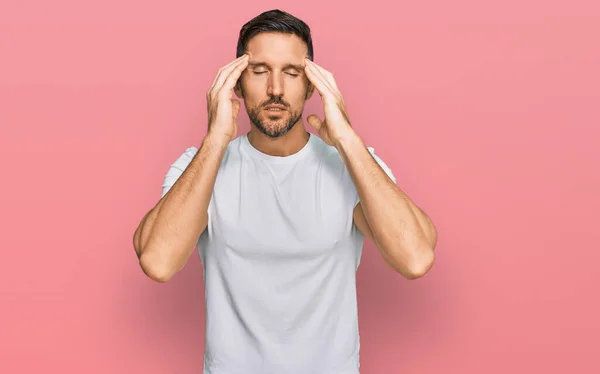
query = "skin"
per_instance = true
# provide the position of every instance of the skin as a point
(403, 233)
(275, 69)
(275, 75)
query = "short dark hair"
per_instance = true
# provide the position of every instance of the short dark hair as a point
(274, 21)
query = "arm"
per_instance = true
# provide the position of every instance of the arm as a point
(168, 233)
(402, 232)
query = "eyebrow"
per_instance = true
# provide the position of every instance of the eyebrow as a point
(286, 66)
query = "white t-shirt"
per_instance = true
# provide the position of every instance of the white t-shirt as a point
(280, 255)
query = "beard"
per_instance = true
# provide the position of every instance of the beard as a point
(279, 124)
(275, 125)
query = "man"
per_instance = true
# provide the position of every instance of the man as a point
(279, 215)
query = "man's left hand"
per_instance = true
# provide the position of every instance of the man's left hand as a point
(336, 124)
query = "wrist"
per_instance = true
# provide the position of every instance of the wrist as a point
(217, 139)
(348, 140)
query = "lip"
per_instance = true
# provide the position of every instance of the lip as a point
(275, 106)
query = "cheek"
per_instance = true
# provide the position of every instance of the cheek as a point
(253, 86)
(297, 92)
(252, 96)
(255, 81)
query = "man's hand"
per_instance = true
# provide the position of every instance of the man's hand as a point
(336, 124)
(222, 109)
(402, 232)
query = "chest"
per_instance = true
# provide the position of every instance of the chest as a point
(282, 211)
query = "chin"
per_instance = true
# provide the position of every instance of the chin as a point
(275, 124)
(276, 130)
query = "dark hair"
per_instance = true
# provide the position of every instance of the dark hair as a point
(274, 21)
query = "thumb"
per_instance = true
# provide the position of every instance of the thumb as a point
(314, 121)
(235, 106)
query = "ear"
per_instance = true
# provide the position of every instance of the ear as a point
(310, 90)
(238, 89)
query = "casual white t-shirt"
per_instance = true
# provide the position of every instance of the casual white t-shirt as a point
(280, 255)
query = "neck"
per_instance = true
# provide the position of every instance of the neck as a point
(282, 146)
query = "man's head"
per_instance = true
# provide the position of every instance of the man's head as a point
(277, 44)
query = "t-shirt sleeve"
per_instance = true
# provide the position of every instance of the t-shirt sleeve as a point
(177, 168)
(383, 166)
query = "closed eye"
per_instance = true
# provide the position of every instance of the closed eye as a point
(263, 72)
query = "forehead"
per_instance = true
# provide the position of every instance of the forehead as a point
(277, 48)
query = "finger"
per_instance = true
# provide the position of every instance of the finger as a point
(234, 75)
(326, 75)
(224, 71)
(329, 82)
(223, 68)
(212, 85)
(322, 86)
(314, 121)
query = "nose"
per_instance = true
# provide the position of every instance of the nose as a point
(275, 85)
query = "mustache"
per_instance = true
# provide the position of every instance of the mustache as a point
(276, 100)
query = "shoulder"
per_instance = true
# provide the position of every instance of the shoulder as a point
(177, 167)
(327, 154)
(331, 156)
(183, 159)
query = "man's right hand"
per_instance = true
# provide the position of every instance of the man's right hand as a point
(222, 109)
(168, 234)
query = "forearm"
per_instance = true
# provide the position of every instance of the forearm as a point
(401, 230)
(168, 234)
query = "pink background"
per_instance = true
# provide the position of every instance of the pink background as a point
(487, 112)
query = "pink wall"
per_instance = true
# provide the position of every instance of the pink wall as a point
(487, 112)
